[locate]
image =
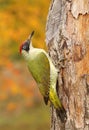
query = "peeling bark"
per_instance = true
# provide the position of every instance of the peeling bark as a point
(67, 35)
(79, 7)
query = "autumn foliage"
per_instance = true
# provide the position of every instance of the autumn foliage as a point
(17, 19)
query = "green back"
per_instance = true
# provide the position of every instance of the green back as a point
(39, 67)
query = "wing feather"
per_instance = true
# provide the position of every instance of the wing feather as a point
(39, 67)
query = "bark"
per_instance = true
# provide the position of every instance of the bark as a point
(67, 35)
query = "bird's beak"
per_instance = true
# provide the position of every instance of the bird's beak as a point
(30, 36)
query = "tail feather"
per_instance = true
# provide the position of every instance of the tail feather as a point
(61, 113)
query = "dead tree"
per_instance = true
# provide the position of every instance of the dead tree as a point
(67, 35)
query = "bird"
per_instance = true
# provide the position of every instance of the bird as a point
(44, 73)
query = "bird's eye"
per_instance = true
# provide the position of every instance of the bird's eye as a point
(25, 46)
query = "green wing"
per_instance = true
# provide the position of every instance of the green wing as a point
(39, 67)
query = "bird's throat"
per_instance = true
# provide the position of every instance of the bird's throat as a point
(25, 54)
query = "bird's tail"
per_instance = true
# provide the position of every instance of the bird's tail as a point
(61, 113)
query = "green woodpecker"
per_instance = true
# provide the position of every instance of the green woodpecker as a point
(45, 74)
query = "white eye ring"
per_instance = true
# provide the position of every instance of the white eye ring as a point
(25, 46)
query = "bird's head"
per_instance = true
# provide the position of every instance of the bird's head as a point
(26, 45)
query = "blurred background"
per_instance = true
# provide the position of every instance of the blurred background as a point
(21, 105)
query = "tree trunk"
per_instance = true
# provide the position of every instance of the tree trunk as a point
(67, 36)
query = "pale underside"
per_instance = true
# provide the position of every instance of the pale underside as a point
(44, 73)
